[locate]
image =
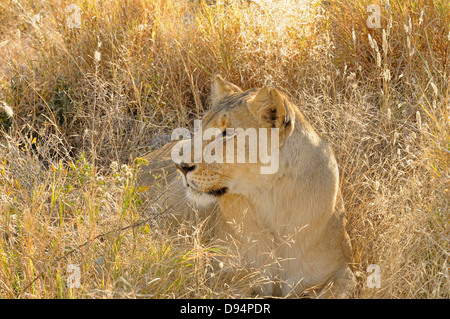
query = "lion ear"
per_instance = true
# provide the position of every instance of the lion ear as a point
(221, 89)
(269, 108)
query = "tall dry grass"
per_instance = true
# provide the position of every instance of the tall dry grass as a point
(88, 100)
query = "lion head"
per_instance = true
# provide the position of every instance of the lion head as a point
(238, 143)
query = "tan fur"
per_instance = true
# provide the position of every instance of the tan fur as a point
(289, 224)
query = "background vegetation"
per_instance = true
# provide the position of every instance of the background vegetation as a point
(80, 104)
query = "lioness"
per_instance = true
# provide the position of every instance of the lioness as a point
(290, 223)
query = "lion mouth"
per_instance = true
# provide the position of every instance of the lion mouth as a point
(214, 192)
(218, 192)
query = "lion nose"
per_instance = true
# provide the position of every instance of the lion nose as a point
(184, 167)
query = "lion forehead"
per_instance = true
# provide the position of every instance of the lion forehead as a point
(233, 102)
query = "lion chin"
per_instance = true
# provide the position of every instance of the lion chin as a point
(200, 199)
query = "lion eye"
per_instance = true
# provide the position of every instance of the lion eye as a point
(227, 133)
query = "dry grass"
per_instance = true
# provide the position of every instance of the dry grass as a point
(380, 96)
